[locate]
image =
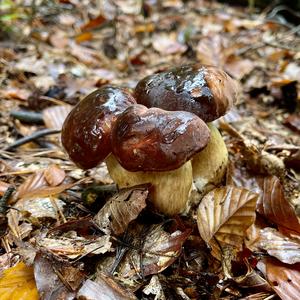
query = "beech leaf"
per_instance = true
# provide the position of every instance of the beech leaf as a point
(280, 246)
(284, 279)
(274, 206)
(225, 214)
(17, 283)
(121, 209)
(54, 175)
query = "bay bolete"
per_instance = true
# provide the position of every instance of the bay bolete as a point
(155, 146)
(205, 91)
(87, 129)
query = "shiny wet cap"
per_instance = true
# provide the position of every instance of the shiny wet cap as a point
(157, 140)
(203, 90)
(87, 129)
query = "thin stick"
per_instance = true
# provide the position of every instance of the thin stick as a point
(31, 138)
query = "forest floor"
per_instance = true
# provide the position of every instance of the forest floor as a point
(55, 53)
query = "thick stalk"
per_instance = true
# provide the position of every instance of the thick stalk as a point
(209, 165)
(170, 189)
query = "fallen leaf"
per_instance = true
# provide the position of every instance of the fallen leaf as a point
(167, 44)
(211, 51)
(121, 209)
(238, 67)
(33, 182)
(59, 39)
(48, 191)
(17, 283)
(49, 273)
(93, 23)
(3, 187)
(274, 206)
(158, 250)
(76, 246)
(293, 122)
(15, 93)
(55, 116)
(252, 280)
(284, 279)
(225, 214)
(154, 287)
(280, 246)
(40, 207)
(83, 37)
(104, 286)
(54, 175)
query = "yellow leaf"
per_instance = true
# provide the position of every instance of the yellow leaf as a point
(17, 283)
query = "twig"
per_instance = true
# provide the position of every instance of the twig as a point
(5, 198)
(27, 116)
(31, 138)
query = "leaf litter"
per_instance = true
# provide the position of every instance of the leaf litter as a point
(83, 239)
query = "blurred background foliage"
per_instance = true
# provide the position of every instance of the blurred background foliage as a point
(13, 11)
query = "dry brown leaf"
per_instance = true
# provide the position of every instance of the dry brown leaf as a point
(210, 51)
(93, 23)
(54, 279)
(167, 44)
(280, 246)
(253, 280)
(238, 67)
(85, 55)
(159, 250)
(284, 279)
(258, 296)
(293, 122)
(17, 283)
(274, 206)
(54, 175)
(3, 187)
(225, 214)
(48, 191)
(40, 208)
(33, 182)
(59, 39)
(83, 37)
(76, 246)
(54, 116)
(104, 286)
(15, 93)
(121, 209)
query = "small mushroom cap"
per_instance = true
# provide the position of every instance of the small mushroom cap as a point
(87, 129)
(157, 140)
(203, 90)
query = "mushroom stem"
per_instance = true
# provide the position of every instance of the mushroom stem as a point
(170, 188)
(209, 165)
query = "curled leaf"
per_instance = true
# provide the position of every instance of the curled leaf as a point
(274, 206)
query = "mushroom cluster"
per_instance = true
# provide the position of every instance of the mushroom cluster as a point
(159, 135)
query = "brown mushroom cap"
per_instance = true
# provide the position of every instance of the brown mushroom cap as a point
(157, 140)
(86, 130)
(203, 90)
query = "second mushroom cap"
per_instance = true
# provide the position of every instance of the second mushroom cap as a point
(203, 90)
(157, 140)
